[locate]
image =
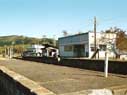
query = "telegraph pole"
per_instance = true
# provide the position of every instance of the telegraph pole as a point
(54, 41)
(95, 35)
(106, 64)
(5, 52)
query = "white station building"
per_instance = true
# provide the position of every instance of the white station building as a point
(82, 45)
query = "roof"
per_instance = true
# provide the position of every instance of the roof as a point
(48, 45)
(74, 35)
(123, 53)
(77, 34)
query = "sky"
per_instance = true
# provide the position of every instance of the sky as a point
(36, 18)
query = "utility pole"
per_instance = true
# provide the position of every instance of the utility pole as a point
(54, 41)
(95, 35)
(106, 64)
(12, 47)
(23, 45)
(5, 51)
(10, 51)
(44, 39)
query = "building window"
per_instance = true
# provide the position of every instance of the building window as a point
(92, 49)
(68, 48)
(102, 47)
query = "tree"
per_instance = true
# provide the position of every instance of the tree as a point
(47, 41)
(121, 38)
(65, 33)
(121, 41)
(116, 39)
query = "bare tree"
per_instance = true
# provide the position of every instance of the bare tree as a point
(65, 33)
(118, 43)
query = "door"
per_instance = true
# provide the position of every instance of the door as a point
(79, 50)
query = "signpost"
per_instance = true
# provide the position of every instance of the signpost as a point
(106, 64)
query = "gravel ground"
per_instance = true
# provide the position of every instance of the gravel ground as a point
(61, 79)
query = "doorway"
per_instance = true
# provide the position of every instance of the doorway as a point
(79, 50)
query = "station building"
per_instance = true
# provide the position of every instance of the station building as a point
(82, 45)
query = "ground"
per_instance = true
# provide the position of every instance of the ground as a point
(62, 79)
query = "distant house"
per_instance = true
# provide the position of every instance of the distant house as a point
(33, 50)
(40, 50)
(50, 51)
(82, 45)
(123, 55)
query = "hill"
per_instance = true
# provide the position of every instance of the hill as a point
(14, 39)
(21, 42)
(18, 40)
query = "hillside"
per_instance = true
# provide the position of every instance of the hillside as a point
(20, 40)
(14, 39)
(20, 43)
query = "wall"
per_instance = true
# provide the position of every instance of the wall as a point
(102, 39)
(49, 60)
(72, 40)
(14, 84)
(119, 67)
(65, 53)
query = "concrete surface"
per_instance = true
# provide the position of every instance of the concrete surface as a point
(15, 84)
(61, 79)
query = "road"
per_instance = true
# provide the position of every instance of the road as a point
(62, 79)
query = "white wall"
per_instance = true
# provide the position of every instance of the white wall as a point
(123, 57)
(100, 40)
